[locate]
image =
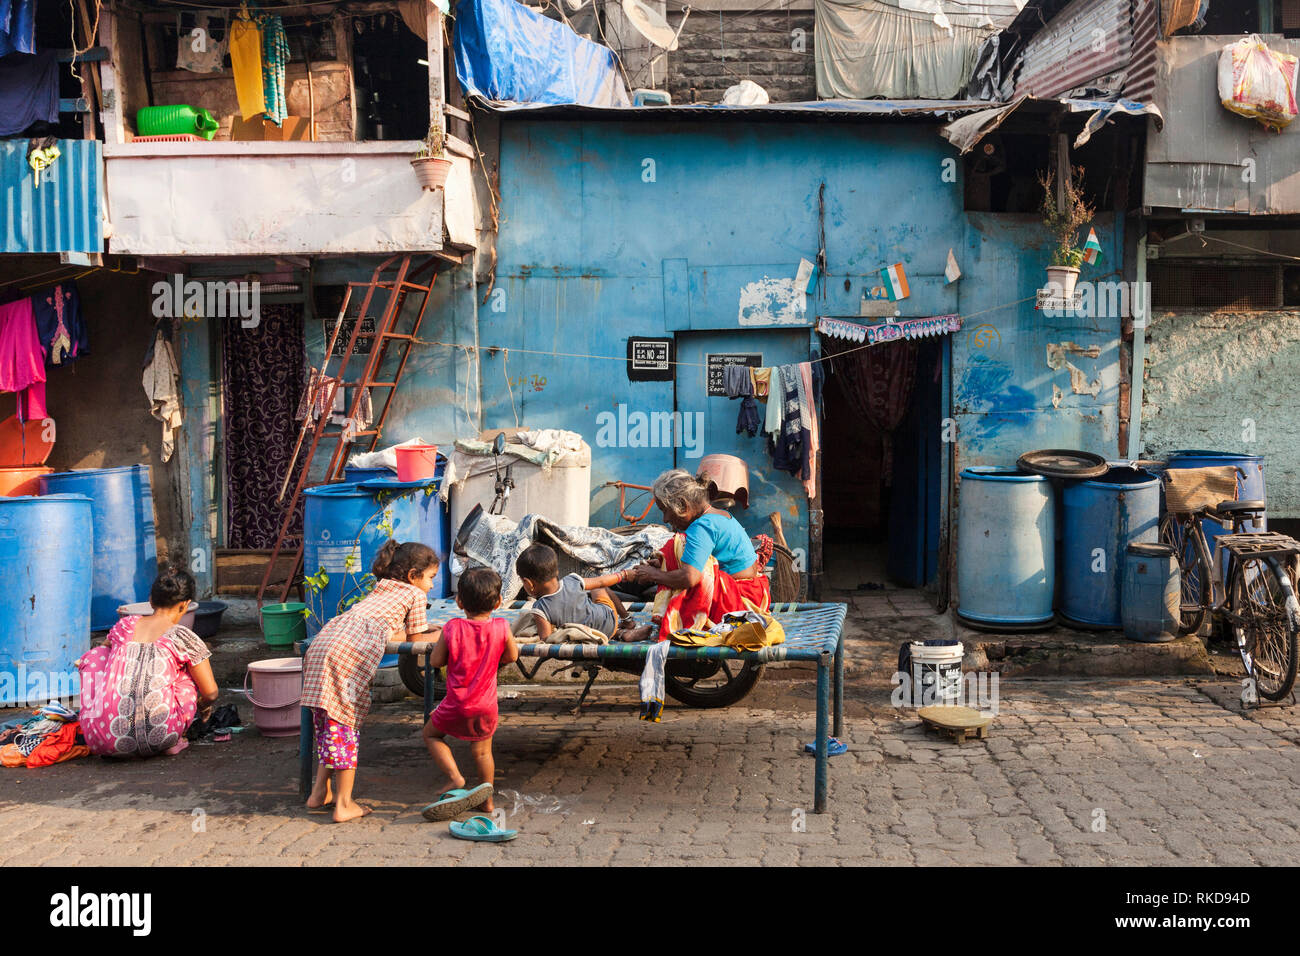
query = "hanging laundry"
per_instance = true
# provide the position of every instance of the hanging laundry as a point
(761, 379)
(812, 434)
(776, 398)
(652, 682)
(738, 384)
(196, 48)
(29, 91)
(246, 63)
(275, 56)
(786, 445)
(22, 361)
(17, 27)
(60, 324)
(161, 382)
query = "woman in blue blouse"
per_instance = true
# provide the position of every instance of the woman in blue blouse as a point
(709, 568)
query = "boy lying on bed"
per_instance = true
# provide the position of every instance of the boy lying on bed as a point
(574, 599)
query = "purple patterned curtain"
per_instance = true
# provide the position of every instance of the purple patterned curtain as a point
(262, 382)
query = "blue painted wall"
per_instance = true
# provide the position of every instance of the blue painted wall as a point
(611, 228)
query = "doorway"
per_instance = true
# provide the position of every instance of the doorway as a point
(883, 464)
(262, 383)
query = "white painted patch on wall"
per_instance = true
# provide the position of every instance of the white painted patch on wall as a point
(773, 302)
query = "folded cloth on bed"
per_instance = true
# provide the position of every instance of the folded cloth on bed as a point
(525, 629)
(740, 630)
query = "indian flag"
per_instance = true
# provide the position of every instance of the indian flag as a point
(1091, 248)
(895, 280)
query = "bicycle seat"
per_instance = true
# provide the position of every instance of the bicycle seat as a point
(1240, 507)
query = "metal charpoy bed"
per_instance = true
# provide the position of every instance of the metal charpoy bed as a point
(813, 632)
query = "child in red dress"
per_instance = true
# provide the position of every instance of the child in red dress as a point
(472, 648)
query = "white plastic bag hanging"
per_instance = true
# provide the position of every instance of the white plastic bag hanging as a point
(1257, 82)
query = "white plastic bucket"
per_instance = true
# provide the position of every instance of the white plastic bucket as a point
(936, 674)
(275, 695)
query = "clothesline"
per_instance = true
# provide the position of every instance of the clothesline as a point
(623, 358)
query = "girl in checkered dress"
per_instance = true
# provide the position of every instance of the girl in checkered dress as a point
(342, 660)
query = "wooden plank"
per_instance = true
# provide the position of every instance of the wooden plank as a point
(456, 112)
(458, 146)
(78, 105)
(95, 54)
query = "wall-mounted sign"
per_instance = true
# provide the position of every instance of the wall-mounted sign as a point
(717, 361)
(649, 360)
(365, 338)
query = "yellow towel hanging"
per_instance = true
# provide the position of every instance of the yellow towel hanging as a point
(246, 62)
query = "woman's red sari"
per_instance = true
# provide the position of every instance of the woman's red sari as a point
(716, 594)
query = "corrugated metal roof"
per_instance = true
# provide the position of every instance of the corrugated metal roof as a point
(1087, 40)
(857, 108)
(1141, 83)
(66, 213)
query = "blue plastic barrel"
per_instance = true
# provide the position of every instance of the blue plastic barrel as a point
(345, 525)
(1102, 517)
(355, 475)
(1006, 562)
(125, 546)
(1250, 487)
(416, 513)
(1152, 593)
(45, 601)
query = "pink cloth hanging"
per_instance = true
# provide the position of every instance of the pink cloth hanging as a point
(22, 360)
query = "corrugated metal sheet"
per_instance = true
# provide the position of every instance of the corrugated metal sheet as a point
(1141, 82)
(66, 213)
(1086, 41)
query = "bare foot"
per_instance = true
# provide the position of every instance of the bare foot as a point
(353, 812)
(457, 783)
(319, 803)
(641, 633)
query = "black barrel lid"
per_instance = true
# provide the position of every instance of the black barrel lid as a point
(1063, 463)
(1147, 549)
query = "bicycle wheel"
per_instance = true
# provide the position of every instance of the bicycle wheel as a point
(1265, 621)
(1182, 532)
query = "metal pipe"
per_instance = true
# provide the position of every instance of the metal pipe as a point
(1139, 353)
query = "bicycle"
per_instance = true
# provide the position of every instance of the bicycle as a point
(1259, 602)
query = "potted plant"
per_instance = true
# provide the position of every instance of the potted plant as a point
(1064, 220)
(431, 164)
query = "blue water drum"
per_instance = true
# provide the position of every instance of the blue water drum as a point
(45, 601)
(1006, 562)
(345, 525)
(1250, 487)
(125, 546)
(1102, 517)
(416, 513)
(356, 475)
(1152, 593)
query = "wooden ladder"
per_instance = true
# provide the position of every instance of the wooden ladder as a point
(399, 278)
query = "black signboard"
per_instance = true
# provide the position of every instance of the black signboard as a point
(649, 360)
(717, 361)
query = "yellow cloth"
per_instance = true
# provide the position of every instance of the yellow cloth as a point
(246, 61)
(762, 381)
(744, 637)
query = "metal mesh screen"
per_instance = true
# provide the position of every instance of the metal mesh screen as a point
(1219, 286)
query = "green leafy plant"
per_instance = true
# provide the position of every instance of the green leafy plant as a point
(1064, 220)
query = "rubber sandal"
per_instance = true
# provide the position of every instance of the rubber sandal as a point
(481, 829)
(834, 747)
(457, 801)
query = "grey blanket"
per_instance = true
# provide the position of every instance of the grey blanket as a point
(496, 541)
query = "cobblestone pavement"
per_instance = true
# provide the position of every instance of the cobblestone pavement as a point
(1084, 772)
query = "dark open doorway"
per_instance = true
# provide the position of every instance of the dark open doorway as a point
(882, 465)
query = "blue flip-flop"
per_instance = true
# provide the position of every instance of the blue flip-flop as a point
(456, 801)
(481, 829)
(834, 747)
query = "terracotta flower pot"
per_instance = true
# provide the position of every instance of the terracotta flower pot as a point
(432, 171)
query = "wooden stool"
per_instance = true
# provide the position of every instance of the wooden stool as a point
(956, 722)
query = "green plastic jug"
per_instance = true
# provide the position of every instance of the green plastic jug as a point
(176, 121)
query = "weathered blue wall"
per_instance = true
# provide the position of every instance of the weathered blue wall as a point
(1003, 396)
(610, 229)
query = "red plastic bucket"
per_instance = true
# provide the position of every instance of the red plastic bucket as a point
(416, 462)
(22, 481)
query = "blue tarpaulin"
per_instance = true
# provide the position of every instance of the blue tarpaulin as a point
(17, 26)
(506, 52)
